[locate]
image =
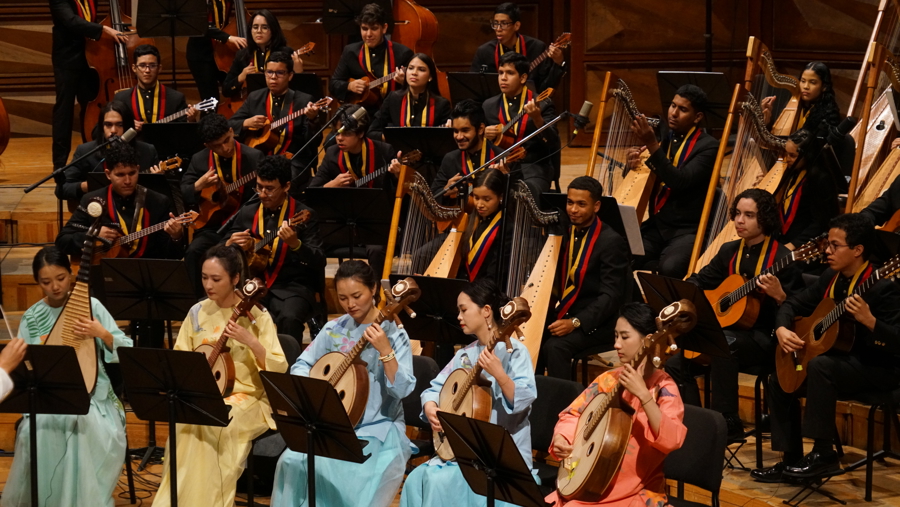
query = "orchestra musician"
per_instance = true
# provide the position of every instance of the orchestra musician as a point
(223, 160)
(200, 53)
(266, 38)
(80, 456)
(297, 263)
(374, 57)
(73, 22)
(512, 388)
(114, 120)
(592, 280)
(150, 100)
(870, 365)
(515, 97)
(506, 23)
(216, 454)
(757, 222)
(657, 427)
(481, 252)
(474, 149)
(683, 163)
(389, 364)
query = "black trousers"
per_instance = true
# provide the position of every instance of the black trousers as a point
(829, 378)
(289, 313)
(667, 254)
(204, 239)
(557, 351)
(201, 60)
(71, 84)
(749, 349)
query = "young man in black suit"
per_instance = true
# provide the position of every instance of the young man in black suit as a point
(683, 164)
(474, 150)
(591, 282)
(149, 99)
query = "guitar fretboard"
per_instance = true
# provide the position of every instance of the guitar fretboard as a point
(243, 180)
(384, 79)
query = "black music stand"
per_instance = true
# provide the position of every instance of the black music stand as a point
(172, 18)
(351, 216)
(436, 310)
(173, 386)
(47, 381)
(490, 461)
(433, 142)
(717, 89)
(478, 86)
(306, 82)
(172, 139)
(312, 420)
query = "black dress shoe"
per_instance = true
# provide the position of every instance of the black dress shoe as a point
(815, 464)
(770, 474)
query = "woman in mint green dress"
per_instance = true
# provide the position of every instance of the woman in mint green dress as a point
(79, 457)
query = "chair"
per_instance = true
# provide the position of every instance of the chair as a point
(553, 396)
(425, 369)
(887, 401)
(699, 461)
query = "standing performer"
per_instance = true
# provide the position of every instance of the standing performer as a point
(79, 456)
(468, 123)
(150, 100)
(214, 457)
(657, 427)
(389, 365)
(200, 54)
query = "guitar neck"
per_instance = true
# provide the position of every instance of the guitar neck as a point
(174, 116)
(537, 61)
(134, 236)
(291, 117)
(220, 343)
(372, 175)
(838, 311)
(354, 353)
(383, 79)
(515, 120)
(750, 284)
(470, 378)
(243, 180)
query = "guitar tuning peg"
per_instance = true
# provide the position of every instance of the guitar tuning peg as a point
(409, 311)
(673, 348)
(656, 361)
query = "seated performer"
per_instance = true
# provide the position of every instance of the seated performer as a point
(275, 102)
(297, 262)
(127, 208)
(374, 57)
(657, 427)
(511, 379)
(266, 38)
(468, 123)
(115, 119)
(757, 222)
(79, 456)
(506, 23)
(481, 254)
(592, 279)
(213, 456)
(389, 365)
(10, 357)
(537, 169)
(223, 161)
(870, 365)
(150, 101)
(683, 164)
(419, 104)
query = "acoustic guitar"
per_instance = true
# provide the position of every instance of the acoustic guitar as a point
(259, 252)
(505, 138)
(562, 42)
(168, 164)
(466, 392)
(218, 202)
(604, 428)
(218, 354)
(268, 136)
(347, 372)
(116, 248)
(827, 328)
(407, 159)
(371, 95)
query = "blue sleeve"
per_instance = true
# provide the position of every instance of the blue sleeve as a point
(404, 380)
(521, 372)
(433, 393)
(108, 323)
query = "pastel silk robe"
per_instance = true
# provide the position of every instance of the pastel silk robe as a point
(640, 480)
(210, 459)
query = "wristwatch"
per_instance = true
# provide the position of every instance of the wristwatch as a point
(576, 323)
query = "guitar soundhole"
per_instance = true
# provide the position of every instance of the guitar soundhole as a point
(342, 394)
(455, 387)
(327, 369)
(590, 450)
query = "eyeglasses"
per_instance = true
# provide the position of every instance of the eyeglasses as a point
(276, 73)
(835, 246)
(501, 24)
(260, 28)
(266, 190)
(147, 66)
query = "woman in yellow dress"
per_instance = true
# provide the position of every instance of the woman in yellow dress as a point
(211, 459)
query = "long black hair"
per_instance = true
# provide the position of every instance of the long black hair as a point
(432, 85)
(485, 292)
(124, 111)
(826, 108)
(49, 256)
(277, 39)
(361, 272)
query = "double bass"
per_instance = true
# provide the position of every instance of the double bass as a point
(110, 60)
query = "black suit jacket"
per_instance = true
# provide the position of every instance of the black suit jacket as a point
(452, 165)
(882, 209)
(69, 32)
(231, 87)
(175, 102)
(74, 175)
(250, 158)
(348, 67)
(537, 162)
(818, 204)
(389, 114)
(329, 169)
(303, 128)
(546, 75)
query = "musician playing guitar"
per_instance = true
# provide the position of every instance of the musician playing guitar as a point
(537, 168)
(150, 100)
(757, 222)
(870, 365)
(656, 431)
(591, 281)
(374, 57)
(506, 23)
(468, 123)
(224, 161)
(389, 367)
(217, 454)
(69, 441)
(297, 261)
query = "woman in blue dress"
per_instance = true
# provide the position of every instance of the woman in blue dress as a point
(80, 457)
(440, 483)
(389, 364)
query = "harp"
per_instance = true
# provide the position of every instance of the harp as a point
(607, 163)
(532, 267)
(762, 79)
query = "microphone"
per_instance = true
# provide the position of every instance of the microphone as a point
(584, 116)
(357, 116)
(838, 133)
(128, 136)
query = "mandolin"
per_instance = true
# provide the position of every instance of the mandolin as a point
(347, 372)
(466, 392)
(410, 158)
(562, 42)
(259, 252)
(827, 328)
(218, 354)
(506, 138)
(267, 138)
(117, 250)
(735, 300)
(604, 427)
(167, 165)
(372, 94)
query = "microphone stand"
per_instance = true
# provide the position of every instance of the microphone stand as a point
(315, 136)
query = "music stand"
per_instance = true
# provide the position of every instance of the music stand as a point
(717, 89)
(490, 461)
(172, 139)
(175, 386)
(478, 86)
(436, 310)
(306, 82)
(707, 336)
(47, 381)
(339, 16)
(172, 18)
(312, 420)
(433, 142)
(620, 217)
(351, 216)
